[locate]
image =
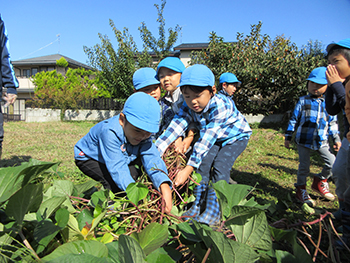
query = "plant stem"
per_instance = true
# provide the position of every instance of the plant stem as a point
(26, 243)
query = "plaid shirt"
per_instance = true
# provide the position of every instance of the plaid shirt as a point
(219, 122)
(312, 123)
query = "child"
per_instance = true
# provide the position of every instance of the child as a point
(223, 135)
(228, 84)
(339, 58)
(169, 72)
(313, 125)
(144, 80)
(107, 152)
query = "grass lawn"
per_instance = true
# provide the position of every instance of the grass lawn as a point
(265, 163)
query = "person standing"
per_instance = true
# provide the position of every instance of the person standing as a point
(7, 76)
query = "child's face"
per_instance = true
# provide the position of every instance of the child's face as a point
(169, 79)
(341, 64)
(133, 134)
(197, 101)
(153, 90)
(230, 88)
(316, 89)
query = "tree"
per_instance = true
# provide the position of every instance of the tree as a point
(160, 47)
(117, 66)
(65, 92)
(272, 72)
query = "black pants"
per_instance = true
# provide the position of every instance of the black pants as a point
(98, 171)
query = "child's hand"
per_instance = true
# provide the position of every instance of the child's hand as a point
(166, 192)
(187, 143)
(337, 146)
(179, 146)
(286, 144)
(182, 176)
(333, 75)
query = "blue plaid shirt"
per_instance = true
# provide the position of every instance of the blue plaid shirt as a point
(312, 123)
(219, 122)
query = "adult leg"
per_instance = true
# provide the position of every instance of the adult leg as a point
(339, 170)
(225, 159)
(1, 131)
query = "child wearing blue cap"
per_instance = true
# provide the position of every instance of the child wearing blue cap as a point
(339, 59)
(313, 126)
(111, 148)
(228, 84)
(223, 135)
(169, 72)
(144, 80)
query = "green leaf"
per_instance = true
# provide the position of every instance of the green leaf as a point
(62, 217)
(107, 238)
(14, 178)
(26, 199)
(87, 247)
(136, 192)
(224, 249)
(81, 188)
(285, 257)
(152, 237)
(130, 249)
(159, 256)
(49, 206)
(188, 232)
(250, 227)
(79, 258)
(230, 195)
(113, 252)
(85, 217)
(44, 232)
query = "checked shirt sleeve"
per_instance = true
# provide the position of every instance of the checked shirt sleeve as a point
(176, 128)
(333, 129)
(293, 121)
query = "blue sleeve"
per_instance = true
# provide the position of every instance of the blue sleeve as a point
(335, 98)
(333, 129)
(293, 121)
(8, 79)
(117, 165)
(153, 164)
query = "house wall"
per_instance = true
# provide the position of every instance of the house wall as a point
(185, 57)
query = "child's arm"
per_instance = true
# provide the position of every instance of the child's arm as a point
(166, 192)
(292, 123)
(182, 145)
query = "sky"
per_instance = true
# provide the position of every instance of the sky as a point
(45, 27)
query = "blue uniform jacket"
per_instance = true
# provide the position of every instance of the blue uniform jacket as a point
(106, 143)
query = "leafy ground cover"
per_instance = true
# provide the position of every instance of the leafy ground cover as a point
(265, 164)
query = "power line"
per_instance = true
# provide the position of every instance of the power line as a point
(58, 39)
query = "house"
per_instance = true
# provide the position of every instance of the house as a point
(186, 49)
(25, 69)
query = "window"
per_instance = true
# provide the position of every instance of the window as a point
(34, 71)
(26, 73)
(50, 68)
(43, 69)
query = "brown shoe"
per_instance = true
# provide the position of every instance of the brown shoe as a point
(322, 187)
(303, 196)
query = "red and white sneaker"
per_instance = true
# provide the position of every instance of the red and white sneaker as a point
(303, 196)
(322, 187)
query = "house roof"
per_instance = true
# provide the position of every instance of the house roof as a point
(48, 61)
(192, 46)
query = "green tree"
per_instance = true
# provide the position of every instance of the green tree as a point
(54, 90)
(161, 47)
(62, 62)
(272, 72)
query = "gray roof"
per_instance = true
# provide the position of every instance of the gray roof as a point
(192, 46)
(49, 61)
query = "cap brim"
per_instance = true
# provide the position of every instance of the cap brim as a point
(143, 125)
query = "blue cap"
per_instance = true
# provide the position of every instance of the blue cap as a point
(228, 78)
(197, 75)
(144, 77)
(343, 43)
(142, 111)
(172, 63)
(318, 75)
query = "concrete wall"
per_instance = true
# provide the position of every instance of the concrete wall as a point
(44, 115)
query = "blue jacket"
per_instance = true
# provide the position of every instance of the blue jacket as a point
(312, 123)
(7, 75)
(107, 144)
